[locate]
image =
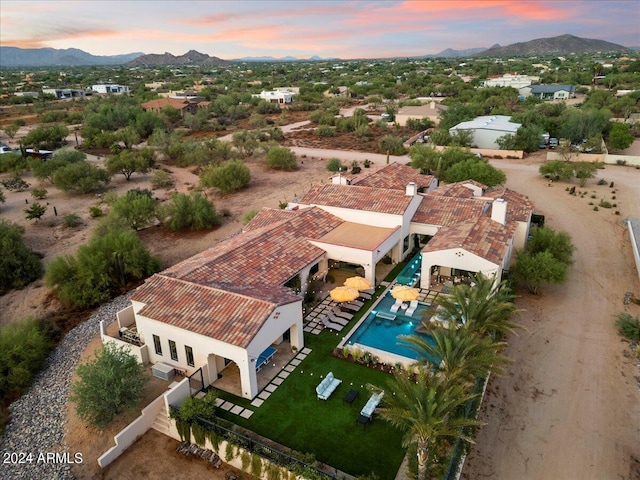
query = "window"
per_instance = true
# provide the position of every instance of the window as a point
(189, 352)
(173, 350)
(156, 343)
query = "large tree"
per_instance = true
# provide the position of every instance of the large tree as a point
(557, 243)
(128, 162)
(426, 410)
(536, 269)
(620, 137)
(474, 169)
(110, 383)
(18, 265)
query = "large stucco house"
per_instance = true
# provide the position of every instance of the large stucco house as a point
(231, 302)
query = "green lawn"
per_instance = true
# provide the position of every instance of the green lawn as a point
(294, 417)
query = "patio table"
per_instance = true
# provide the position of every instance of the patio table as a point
(350, 396)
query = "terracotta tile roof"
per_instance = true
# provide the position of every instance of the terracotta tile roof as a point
(269, 216)
(230, 317)
(483, 237)
(268, 255)
(458, 189)
(395, 176)
(443, 211)
(519, 208)
(355, 197)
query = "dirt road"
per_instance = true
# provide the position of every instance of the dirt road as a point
(569, 407)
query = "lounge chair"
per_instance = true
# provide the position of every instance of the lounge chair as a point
(412, 308)
(327, 386)
(329, 324)
(338, 320)
(372, 403)
(396, 306)
(339, 313)
(354, 306)
(365, 296)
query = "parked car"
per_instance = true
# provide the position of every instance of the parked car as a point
(5, 148)
(553, 142)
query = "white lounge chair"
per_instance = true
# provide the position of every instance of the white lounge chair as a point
(329, 324)
(339, 313)
(327, 386)
(396, 306)
(412, 308)
(338, 320)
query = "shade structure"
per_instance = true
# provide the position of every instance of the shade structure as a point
(405, 293)
(359, 283)
(344, 294)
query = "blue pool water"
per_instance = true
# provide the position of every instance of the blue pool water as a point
(382, 334)
(410, 274)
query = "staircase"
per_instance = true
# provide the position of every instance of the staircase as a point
(162, 423)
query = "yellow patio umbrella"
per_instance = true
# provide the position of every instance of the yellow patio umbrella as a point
(359, 283)
(344, 294)
(405, 293)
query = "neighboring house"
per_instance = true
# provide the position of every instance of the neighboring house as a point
(487, 129)
(183, 105)
(431, 111)
(230, 303)
(61, 93)
(110, 88)
(27, 94)
(510, 80)
(549, 92)
(276, 96)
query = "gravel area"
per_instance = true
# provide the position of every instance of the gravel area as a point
(33, 443)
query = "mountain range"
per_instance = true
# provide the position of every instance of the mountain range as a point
(560, 45)
(41, 57)
(49, 57)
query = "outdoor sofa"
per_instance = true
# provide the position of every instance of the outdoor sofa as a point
(327, 386)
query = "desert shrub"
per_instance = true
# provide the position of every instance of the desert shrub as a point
(104, 267)
(71, 220)
(35, 211)
(39, 193)
(391, 144)
(128, 162)
(281, 158)
(24, 346)
(18, 265)
(628, 326)
(247, 217)
(137, 207)
(15, 184)
(602, 181)
(228, 177)
(47, 136)
(81, 177)
(325, 131)
(595, 209)
(110, 383)
(604, 204)
(190, 212)
(161, 179)
(334, 165)
(13, 162)
(95, 212)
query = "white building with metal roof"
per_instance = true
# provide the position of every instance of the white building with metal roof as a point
(487, 129)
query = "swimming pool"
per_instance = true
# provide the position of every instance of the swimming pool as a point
(410, 274)
(380, 335)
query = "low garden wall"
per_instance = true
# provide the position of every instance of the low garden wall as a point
(492, 153)
(608, 158)
(132, 432)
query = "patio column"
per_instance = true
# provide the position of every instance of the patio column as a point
(370, 273)
(296, 336)
(425, 277)
(248, 377)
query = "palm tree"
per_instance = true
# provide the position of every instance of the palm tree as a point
(426, 409)
(459, 354)
(485, 307)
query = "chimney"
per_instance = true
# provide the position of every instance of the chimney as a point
(499, 211)
(412, 189)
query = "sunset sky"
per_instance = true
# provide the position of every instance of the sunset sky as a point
(343, 29)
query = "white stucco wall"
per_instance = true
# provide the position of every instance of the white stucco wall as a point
(209, 352)
(458, 258)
